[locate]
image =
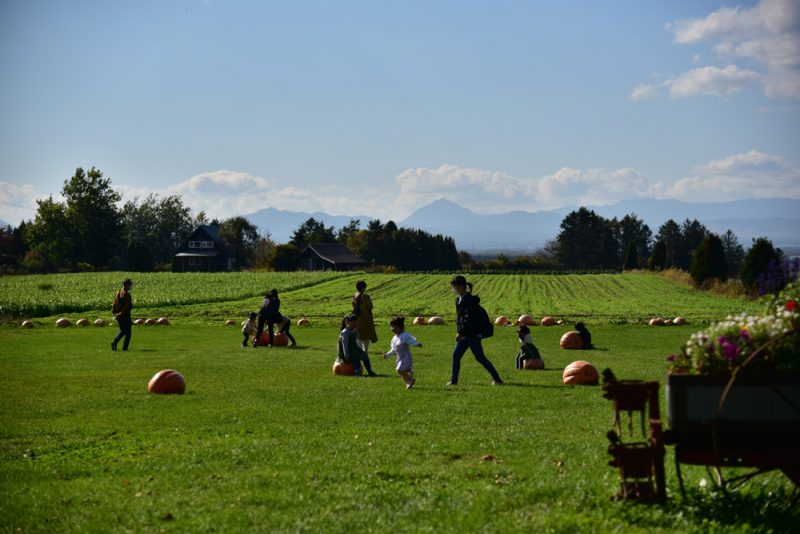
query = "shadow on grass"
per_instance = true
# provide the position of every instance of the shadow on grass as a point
(766, 511)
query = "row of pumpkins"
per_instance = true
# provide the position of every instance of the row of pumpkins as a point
(169, 381)
(63, 322)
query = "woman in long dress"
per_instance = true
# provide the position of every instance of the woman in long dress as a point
(365, 325)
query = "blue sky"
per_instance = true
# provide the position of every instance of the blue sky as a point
(377, 108)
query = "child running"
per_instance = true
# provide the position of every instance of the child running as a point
(528, 350)
(400, 344)
(249, 327)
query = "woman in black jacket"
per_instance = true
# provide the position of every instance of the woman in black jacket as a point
(468, 337)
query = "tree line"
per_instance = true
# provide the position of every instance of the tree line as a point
(87, 230)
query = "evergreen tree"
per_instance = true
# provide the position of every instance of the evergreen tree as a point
(631, 257)
(757, 260)
(240, 237)
(734, 252)
(312, 231)
(692, 235)
(709, 261)
(671, 239)
(285, 258)
(658, 259)
(587, 241)
(632, 229)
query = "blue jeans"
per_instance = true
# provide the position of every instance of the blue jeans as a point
(474, 344)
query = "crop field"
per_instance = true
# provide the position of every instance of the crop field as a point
(268, 439)
(595, 298)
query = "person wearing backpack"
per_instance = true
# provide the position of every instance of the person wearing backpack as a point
(121, 308)
(473, 324)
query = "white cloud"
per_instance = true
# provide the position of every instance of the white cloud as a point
(225, 193)
(766, 35)
(712, 81)
(18, 202)
(753, 174)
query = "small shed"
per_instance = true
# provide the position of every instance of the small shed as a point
(203, 252)
(330, 257)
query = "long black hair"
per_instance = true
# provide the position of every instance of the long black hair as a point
(459, 280)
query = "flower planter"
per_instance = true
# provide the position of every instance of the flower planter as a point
(694, 399)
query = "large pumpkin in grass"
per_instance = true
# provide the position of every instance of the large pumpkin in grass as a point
(167, 381)
(343, 369)
(679, 321)
(533, 363)
(63, 322)
(230, 322)
(280, 339)
(150, 322)
(264, 339)
(27, 324)
(303, 322)
(548, 321)
(526, 320)
(435, 320)
(571, 341)
(100, 322)
(82, 322)
(501, 321)
(581, 373)
(139, 321)
(656, 321)
(163, 321)
(419, 321)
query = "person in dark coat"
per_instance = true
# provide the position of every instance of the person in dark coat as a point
(468, 336)
(585, 335)
(121, 308)
(349, 349)
(268, 313)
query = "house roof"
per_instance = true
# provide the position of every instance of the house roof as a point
(198, 254)
(335, 253)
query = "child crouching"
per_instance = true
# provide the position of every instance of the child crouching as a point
(349, 351)
(400, 344)
(528, 350)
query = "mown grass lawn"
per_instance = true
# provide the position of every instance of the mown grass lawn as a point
(268, 439)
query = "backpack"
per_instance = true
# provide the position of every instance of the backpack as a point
(485, 326)
(115, 307)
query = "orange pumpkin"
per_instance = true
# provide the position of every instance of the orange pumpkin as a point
(63, 322)
(264, 339)
(534, 364)
(100, 322)
(343, 369)
(548, 321)
(150, 322)
(303, 322)
(163, 320)
(82, 322)
(280, 339)
(419, 320)
(571, 341)
(230, 322)
(138, 321)
(167, 381)
(526, 320)
(501, 321)
(435, 320)
(679, 321)
(27, 324)
(581, 373)
(656, 321)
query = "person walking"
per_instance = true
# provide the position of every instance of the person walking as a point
(469, 327)
(365, 324)
(121, 308)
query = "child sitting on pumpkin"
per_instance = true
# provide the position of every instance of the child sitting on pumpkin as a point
(528, 350)
(586, 337)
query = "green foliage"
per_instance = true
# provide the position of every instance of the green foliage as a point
(587, 241)
(757, 260)
(632, 229)
(631, 257)
(240, 237)
(709, 261)
(268, 439)
(312, 231)
(46, 295)
(159, 224)
(734, 252)
(658, 260)
(285, 258)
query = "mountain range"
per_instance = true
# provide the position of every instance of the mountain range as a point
(524, 231)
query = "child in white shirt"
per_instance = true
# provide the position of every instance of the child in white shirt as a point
(400, 344)
(249, 327)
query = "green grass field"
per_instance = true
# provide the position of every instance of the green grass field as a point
(268, 439)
